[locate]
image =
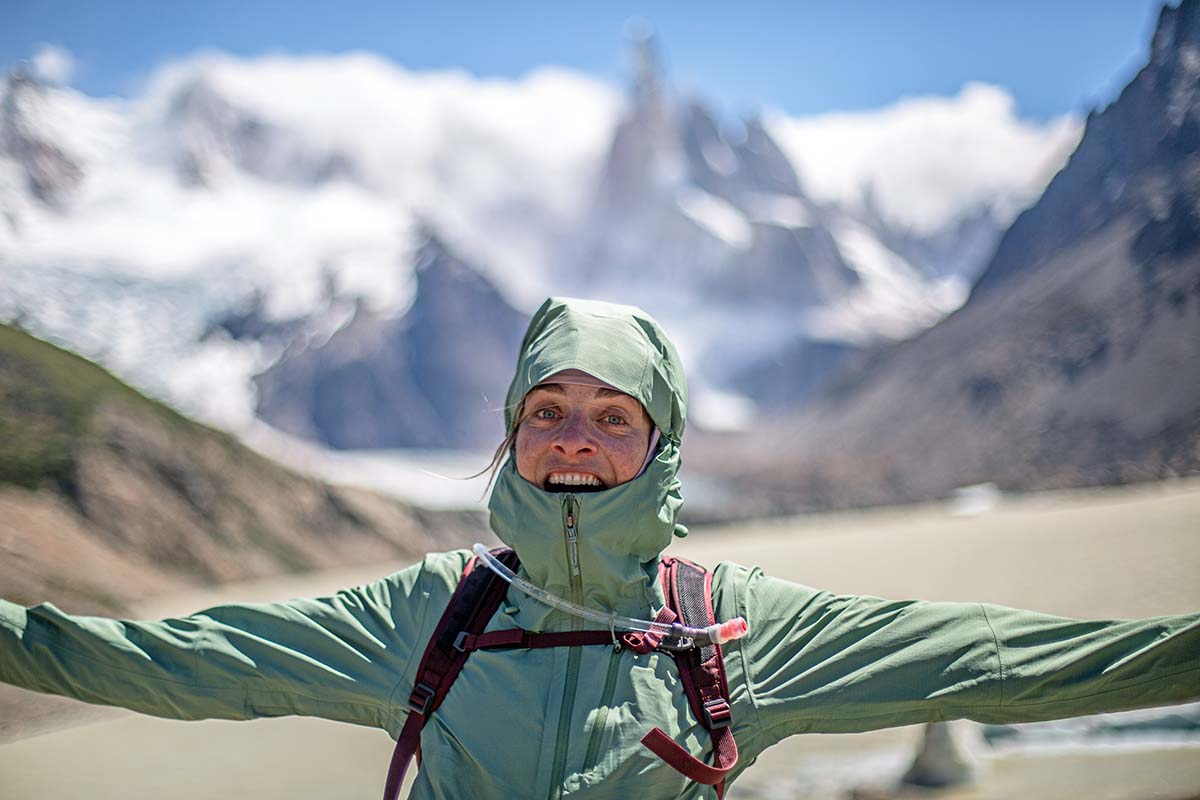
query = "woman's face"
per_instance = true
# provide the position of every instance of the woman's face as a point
(581, 438)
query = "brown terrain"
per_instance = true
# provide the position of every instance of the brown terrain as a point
(109, 499)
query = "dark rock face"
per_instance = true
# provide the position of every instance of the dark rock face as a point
(51, 172)
(763, 165)
(1137, 158)
(1076, 361)
(249, 321)
(788, 379)
(431, 378)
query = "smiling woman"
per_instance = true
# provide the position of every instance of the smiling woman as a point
(587, 496)
(581, 433)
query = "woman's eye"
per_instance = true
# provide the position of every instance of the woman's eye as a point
(544, 413)
(614, 419)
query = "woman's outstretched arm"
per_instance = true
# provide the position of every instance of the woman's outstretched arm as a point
(819, 662)
(337, 657)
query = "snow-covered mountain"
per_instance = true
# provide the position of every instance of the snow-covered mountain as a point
(229, 238)
(1076, 359)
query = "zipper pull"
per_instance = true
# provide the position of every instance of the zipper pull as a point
(569, 518)
(572, 534)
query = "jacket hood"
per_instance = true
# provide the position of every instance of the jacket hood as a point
(621, 531)
(621, 345)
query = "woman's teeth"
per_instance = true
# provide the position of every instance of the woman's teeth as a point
(574, 479)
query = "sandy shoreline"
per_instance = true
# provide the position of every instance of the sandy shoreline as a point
(1115, 553)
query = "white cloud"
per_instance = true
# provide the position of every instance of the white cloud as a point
(403, 125)
(929, 159)
(53, 63)
(496, 165)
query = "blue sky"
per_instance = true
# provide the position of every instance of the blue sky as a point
(798, 57)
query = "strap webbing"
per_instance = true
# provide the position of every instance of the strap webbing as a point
(688, 588)
(693, 768)
(528, 640)
(473, 603)
(647, 642)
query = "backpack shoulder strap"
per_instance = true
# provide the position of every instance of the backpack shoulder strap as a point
(474, 602)
(688, 589)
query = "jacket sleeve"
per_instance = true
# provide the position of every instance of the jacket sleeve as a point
(819, 662)
(338, 657)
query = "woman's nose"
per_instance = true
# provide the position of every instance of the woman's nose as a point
(575, 437)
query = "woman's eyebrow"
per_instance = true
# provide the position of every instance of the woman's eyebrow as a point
(601, 392)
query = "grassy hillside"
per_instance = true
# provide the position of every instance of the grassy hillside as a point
(48, 399)
(108, 497)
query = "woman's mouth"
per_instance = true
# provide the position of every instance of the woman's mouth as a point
(572, 482)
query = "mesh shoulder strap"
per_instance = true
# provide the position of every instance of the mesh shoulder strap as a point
(474, 602)
(688, 589)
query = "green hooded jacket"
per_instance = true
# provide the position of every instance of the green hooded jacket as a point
(565, 722)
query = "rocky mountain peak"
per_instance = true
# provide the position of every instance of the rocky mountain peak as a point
(210, 133)
(712, 163)
(19, 82)
(50, 172)
(1138, 158)
(644, 159)
(647, 87)
(197, 101)
(432, 378)
(1175, 61)
(448, 288)
(764, 162)
(1178, 30)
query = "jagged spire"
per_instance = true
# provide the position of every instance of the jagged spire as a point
(647, 89)
(1177, 26)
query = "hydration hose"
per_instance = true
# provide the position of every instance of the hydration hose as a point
(718, 633)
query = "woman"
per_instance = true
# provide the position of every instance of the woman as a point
(596, 414)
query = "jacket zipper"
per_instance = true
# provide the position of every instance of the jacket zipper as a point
(574, 654)
(570, 523)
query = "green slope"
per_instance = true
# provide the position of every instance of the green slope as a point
(47, 399)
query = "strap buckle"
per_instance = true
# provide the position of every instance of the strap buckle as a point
(717, 714)
(460, 642)
(679, 644)
(421, 698)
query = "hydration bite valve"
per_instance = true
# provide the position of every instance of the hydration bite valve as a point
(722, 632)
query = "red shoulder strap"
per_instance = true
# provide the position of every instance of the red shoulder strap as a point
(688, 589)
(474, 602)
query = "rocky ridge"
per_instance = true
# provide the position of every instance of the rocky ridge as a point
(1075, 362)
(432, 377)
